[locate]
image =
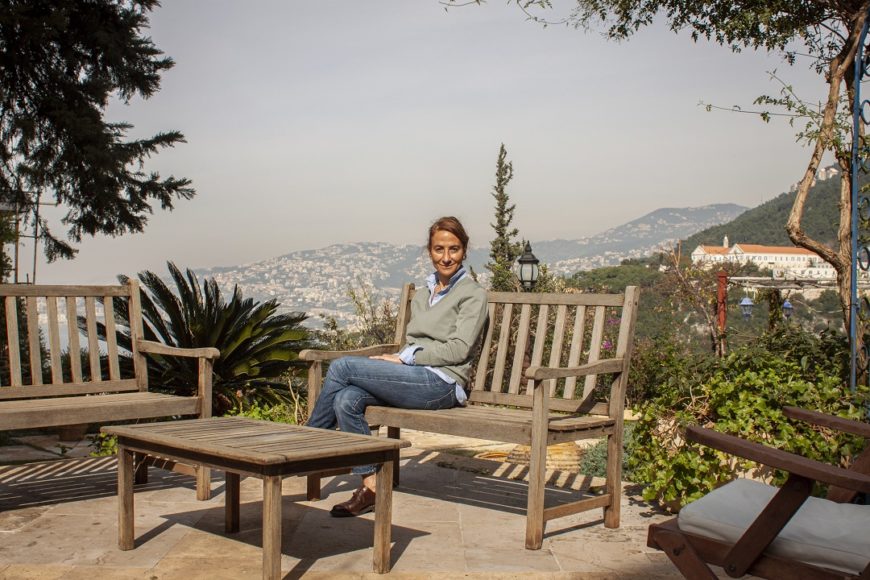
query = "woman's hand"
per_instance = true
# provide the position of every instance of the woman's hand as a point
(393, 358)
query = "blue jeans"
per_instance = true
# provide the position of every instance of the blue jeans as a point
(353, 383)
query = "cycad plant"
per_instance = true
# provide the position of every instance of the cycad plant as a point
(257, 344)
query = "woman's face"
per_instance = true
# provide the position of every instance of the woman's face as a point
(447, 253)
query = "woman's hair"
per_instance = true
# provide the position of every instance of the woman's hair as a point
(448, 224)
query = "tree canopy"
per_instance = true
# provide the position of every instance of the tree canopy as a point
(61, 61)
(764, 24)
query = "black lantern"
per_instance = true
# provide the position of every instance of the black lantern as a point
(787, 309)
(746, 307)
(527, 268)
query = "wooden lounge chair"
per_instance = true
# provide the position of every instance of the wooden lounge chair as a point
(747, 527)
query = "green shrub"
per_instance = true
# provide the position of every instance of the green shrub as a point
(594, 460)
(660, 364)
(277, 413)
(742, 394)
(103, 445)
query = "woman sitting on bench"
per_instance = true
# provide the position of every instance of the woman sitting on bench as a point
(430, 371)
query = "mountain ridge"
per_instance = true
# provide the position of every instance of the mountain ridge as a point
(316, 280)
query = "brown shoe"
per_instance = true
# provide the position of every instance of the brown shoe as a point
(361, 502)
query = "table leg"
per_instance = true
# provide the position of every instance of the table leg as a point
(203, 483)
(384, 515)
(231, 523)
(140, 469)
(125, 498)
(271, 527)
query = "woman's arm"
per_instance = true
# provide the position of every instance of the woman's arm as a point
(458, 346)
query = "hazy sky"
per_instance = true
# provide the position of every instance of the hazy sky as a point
(313, 123)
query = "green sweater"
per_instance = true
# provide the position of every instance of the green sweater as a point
(448, 331)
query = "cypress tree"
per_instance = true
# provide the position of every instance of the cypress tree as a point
(504, 249)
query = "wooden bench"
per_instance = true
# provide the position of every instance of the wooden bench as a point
(41, 387)
(526, 389)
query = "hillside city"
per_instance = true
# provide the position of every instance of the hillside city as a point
(317, 281)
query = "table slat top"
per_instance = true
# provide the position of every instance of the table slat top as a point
(252, 441)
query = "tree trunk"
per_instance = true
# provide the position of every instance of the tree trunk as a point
(840, 69)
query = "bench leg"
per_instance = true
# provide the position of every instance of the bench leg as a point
(535, 507)
(203, 483)
(537, 487)
(395, 433)
(231, 507)
(613, 485)
(271, 527)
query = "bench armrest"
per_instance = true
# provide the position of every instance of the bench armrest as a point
(152, 347)
(612, 365)
(831, 421)
(780, 459)
(312, 355)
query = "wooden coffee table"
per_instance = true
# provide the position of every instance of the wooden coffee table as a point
(261, 449)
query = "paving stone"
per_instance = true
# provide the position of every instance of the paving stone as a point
(12, 520)
(11, 454)
(215, 567)
(33, 572)
(106, 571)
(53, 445)
(410, 509)
(430, 546)
(504, 559)
(202, 544)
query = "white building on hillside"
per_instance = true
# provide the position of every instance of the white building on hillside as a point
(783, 261)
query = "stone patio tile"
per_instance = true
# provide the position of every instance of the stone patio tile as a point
(436, 546)
(33, 572)
(90, 540)
(103, 571)
(108, 504)
(15, 519)
(203, 544)
(57, 448)
(10, 454)
(216, 567)
(155, 495)
(618, 551)
(338, 544)
(250, 517)
(410, 509)
(509, 559)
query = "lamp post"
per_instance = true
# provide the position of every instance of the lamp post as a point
(746, 307)
(721, 310)
(721, 299)
(527, 268)
(559, 455)
(787, 309)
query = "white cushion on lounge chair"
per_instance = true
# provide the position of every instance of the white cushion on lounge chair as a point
(821, 533)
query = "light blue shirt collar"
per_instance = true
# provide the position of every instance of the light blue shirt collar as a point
(433, 277)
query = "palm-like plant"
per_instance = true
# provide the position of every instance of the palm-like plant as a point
(257, 345)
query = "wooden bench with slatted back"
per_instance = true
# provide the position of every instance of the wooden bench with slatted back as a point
(41, 386)
(552, 368)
